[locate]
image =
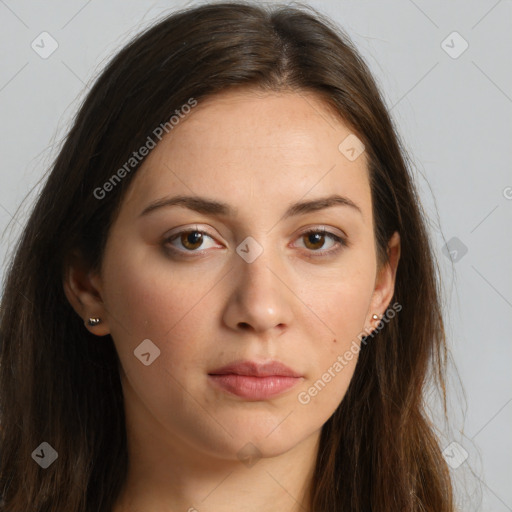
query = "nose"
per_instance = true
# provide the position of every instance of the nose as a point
(260, 300)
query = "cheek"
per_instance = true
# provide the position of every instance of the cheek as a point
(146, 300)
(342, 306)
(343, 303)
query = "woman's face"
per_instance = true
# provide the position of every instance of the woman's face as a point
(230, 274)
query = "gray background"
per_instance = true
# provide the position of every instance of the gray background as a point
(454, 113)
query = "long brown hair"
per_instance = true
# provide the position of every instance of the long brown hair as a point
(379, 450)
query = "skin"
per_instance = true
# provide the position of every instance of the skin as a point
(259, 152)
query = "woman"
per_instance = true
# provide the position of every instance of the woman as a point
(225, 297)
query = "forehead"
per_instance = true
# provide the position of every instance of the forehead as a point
(275, 146)
(248, 119)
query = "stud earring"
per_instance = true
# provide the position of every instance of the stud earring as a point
(93, 321)
(375, 317)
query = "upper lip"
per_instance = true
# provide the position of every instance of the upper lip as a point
(257, 369)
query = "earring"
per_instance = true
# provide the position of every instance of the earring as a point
(94, 321)
(375, 317)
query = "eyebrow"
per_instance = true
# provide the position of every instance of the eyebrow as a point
(211, 207)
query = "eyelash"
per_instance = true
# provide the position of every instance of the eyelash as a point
(340, 242)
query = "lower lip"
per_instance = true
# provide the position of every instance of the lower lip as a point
(254, 388)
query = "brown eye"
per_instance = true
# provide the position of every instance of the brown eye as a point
(191, 239)
(314, 240)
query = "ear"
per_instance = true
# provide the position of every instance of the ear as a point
(83, 291)
(385, 280)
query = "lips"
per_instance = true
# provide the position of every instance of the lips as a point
(256, 369)
(254, 381)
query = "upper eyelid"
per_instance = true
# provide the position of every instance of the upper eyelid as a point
(188, 230)
(314, 227)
